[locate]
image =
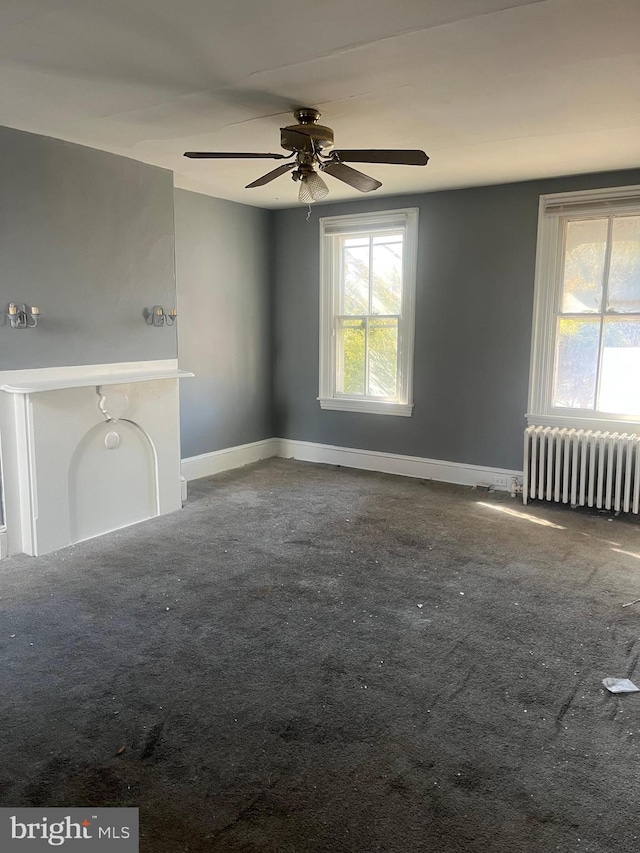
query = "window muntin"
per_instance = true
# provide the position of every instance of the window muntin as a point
(367, 311)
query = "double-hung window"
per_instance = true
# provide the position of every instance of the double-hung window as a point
(367, 311)
(586, 336)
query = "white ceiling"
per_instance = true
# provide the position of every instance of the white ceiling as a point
(493, 90)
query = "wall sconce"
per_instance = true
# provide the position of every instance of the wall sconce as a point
(22, 317)
(158, 317)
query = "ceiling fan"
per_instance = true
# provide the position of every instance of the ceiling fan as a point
(311, 147)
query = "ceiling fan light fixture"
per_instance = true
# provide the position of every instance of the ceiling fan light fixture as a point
(312, 188)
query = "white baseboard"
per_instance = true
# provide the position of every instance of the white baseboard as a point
(349, 457)
(4, 544)
(207, 464)
(393, 463)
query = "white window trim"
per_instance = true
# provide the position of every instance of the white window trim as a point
(553, 209)
(328, 397)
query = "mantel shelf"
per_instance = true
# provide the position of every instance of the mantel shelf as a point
(88, 380)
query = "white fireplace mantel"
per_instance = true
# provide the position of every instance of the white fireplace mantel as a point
(87, 449)
(78, 376)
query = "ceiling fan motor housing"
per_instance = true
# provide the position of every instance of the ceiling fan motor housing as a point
(307, 135)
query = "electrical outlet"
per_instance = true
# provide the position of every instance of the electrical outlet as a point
(500, 480)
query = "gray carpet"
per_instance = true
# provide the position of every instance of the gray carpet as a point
(315, 659)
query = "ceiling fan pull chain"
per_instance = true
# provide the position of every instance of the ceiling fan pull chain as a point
(309, 213)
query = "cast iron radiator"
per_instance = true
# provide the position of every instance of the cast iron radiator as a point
(582, 468)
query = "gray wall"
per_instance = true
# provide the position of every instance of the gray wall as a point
(87, 237)
(476, 264)
(224, 336)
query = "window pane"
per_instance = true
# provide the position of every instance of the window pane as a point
(576, 363)
(620, 380)
(355, 293)
(383, 358)
(583, 266)
(351, 348)
(624, 273)
(387, 274)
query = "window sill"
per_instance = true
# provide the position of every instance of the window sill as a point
(569, 421)
(369, 407)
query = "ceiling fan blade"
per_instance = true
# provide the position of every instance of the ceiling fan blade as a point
(351, 176)
(270, 176)
(382, 155)
(229, 155)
